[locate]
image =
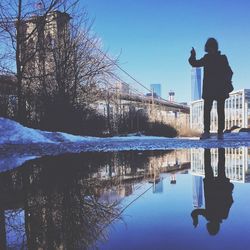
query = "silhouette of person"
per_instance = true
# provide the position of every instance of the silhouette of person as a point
(218, 194)
(216, 80)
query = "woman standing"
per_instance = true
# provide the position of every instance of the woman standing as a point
(216, 84)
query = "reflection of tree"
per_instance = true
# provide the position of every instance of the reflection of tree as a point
(2, 230)
(14, 228)
(62, 197)
(60, 203)
(70, 216)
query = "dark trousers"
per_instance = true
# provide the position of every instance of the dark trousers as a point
(208, 103)
(209, 173)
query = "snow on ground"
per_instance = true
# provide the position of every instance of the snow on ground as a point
(12, 132)
(19, 143)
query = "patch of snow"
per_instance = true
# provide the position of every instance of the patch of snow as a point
(135, 137)
(19, 144)
(12, 132)
(77, 138)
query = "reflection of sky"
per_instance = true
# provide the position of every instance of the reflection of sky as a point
(15, 228)
(163, 218)
(164, 222)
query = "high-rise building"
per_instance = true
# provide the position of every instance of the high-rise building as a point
(196, 84)
(156, 88)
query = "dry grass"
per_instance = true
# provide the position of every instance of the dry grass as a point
(188, 132)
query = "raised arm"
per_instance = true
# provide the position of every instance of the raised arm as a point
(195, 213)
(192, 59)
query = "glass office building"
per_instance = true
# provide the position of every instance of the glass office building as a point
(196, 84)
(237, 112)
(197, 191)
(156, 87)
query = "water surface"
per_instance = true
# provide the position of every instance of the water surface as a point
(174, 199)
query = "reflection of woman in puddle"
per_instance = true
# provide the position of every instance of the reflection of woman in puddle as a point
(217, 192)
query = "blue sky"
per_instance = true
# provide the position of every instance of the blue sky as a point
(155, 37)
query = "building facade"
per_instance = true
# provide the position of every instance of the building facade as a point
(156, 88)
(237, 112)
(196, 84)
(43, 35)
(237, 163)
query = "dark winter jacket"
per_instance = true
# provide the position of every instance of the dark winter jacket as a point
(215, 85)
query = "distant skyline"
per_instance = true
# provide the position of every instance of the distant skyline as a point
(155, 38)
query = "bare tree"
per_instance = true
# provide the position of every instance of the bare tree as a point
(57, 59)
(71, 70)
(60, 68)
(14, 17)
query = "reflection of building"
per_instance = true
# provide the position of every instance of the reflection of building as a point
(159, 162)
(237, 163)
(126, 176)
(237, 112)
(197, 191)
(156, 88)
(173, 161)
(158, 187)
(196, 84)
(116, 193)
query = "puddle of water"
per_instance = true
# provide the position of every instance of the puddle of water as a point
(175, 199)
